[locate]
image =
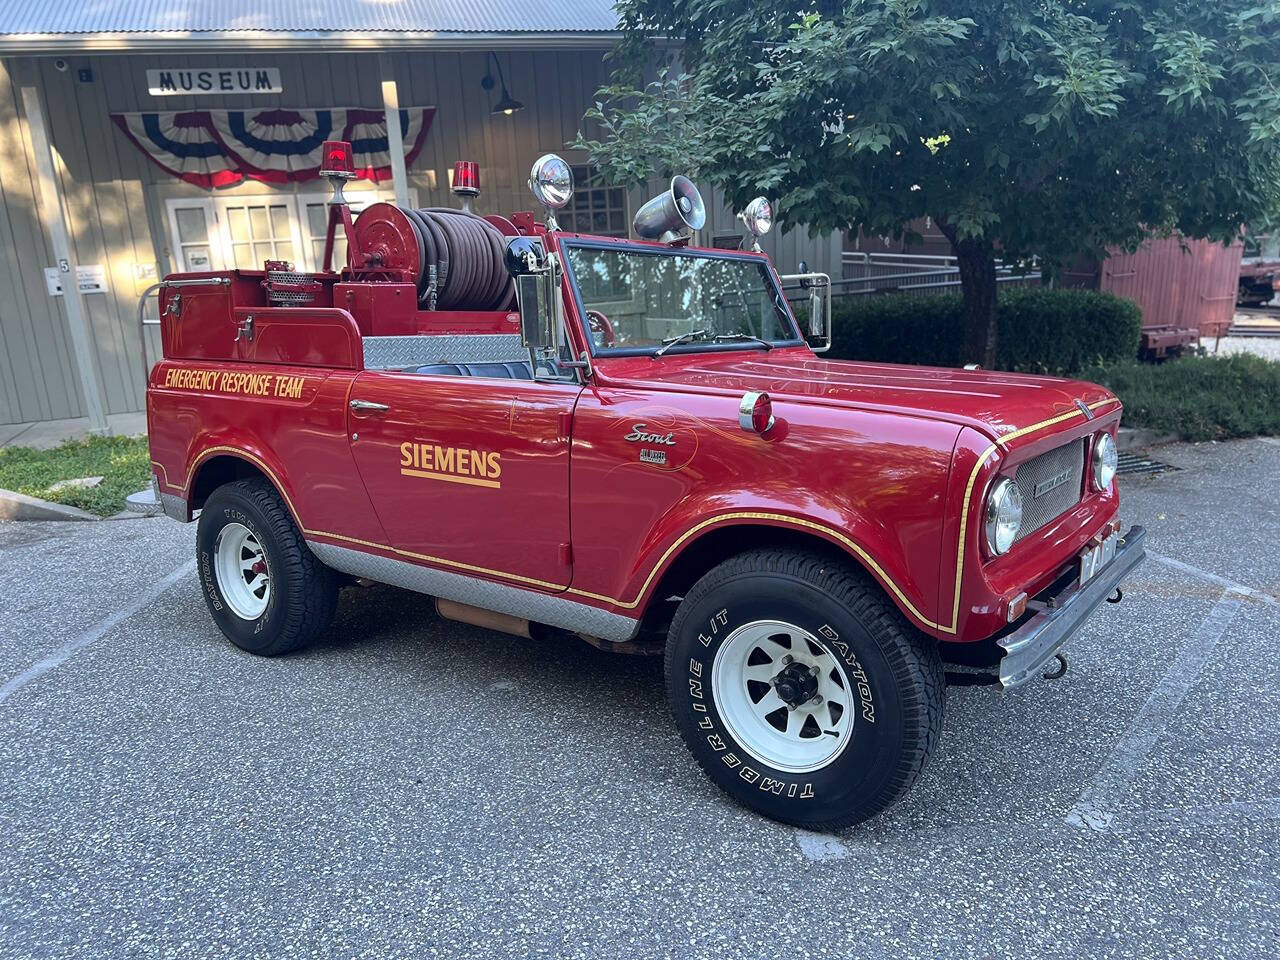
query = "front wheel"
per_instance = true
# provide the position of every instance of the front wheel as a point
(801, 690)
(264, 587)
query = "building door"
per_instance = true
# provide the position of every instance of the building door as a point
(196, 242)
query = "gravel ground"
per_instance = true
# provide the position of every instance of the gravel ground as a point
(1268, 347)
(414, 787)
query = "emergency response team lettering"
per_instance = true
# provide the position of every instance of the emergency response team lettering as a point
(479, 468)
(228, 381)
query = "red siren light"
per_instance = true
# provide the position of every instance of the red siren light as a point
(466, 178)
(337, 160)
(755, 412)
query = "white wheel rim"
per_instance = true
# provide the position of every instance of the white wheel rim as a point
(744, 680)
(240, 564)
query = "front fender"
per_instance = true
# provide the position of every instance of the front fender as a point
(870, 483)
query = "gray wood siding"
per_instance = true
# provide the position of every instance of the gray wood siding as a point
(115, 196)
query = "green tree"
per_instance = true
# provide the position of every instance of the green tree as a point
(1022, 127)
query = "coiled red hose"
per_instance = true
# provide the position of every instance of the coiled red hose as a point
(460, 256)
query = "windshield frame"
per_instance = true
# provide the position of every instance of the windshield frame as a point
(701, 253)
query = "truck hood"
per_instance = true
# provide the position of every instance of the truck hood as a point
(994, 402)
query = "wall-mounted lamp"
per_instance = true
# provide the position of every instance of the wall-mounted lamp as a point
(506, 105)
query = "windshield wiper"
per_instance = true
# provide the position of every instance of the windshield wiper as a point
(727, 337)
(670, 342)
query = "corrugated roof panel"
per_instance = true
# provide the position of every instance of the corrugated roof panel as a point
(288, 16)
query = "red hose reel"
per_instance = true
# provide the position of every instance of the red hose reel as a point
(453, 258)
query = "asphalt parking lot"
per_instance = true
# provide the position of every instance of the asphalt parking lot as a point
(415, 787)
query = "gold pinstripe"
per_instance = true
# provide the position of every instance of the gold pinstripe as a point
(831, 532)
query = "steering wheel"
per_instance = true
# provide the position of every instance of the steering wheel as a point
(599, 324)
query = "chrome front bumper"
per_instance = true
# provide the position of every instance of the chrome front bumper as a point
(1033, 644)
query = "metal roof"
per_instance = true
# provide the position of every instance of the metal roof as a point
(95, 24)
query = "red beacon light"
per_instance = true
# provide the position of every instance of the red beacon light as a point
(337, 160)
(466, 178)
(466, 182)
(755, 412)
(338, 165)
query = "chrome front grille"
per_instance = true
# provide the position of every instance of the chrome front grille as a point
(1058, 477)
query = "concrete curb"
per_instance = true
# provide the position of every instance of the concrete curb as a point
(1140, 438)
(18, 506)
(143, 503)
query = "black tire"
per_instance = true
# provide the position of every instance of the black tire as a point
(896, 671)
(304, 592)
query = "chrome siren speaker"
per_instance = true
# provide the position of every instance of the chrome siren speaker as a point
(668, 215)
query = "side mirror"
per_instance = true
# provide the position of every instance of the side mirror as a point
(530, 295)
(818, 296)
(526, 261)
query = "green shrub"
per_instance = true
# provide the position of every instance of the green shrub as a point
(892, 328)
(1197, 397)
(1039, 330)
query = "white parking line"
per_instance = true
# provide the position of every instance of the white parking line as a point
(94, 633)
(1100, 800)
(1213, 578)
(1098, 806)
(1218, 815)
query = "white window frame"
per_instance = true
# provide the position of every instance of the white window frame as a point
(286, 200)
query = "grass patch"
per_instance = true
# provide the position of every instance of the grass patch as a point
(1197, 397)
(124, 463)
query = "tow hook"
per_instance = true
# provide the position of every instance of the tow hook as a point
(1117, 598)
(1061, 669)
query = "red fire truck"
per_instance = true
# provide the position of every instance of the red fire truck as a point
(636, 442)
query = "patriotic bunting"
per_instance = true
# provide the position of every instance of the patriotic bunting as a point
(218, 148)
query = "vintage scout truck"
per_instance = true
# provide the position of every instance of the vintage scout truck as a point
(635, 442)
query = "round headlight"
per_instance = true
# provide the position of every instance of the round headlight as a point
(758, 216)
(551, 181)
(1004, 515)
(1105, 460)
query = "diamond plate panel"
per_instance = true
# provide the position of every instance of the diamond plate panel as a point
(387, 353)
(174, 507)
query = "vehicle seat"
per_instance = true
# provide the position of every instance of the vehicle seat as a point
(502, 371)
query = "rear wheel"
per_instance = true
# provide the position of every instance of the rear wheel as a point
(801, 690)
(263, 586)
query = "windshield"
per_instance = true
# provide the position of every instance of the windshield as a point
(641, 301)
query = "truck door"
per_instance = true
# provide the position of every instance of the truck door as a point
(469, 473)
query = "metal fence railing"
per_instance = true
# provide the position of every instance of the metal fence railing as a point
(867, 274)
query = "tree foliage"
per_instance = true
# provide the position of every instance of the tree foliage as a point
(1041, 128)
